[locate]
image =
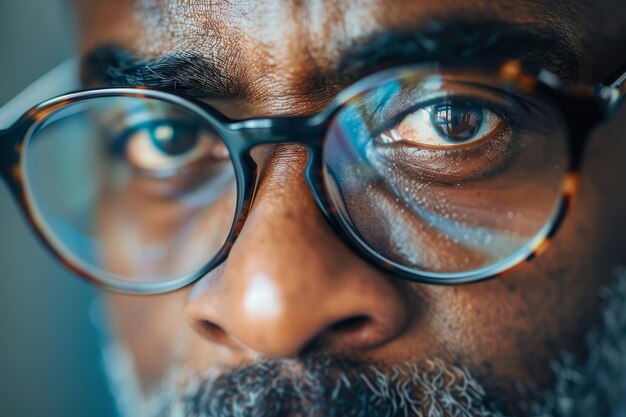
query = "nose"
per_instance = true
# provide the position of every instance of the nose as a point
(289, 285)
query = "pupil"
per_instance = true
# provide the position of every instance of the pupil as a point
(457, 122)
(174, 139)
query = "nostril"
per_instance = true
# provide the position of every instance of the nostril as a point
(215, 333)
(341, 329)
(211, 330)
(350, 325)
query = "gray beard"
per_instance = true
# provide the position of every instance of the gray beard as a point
(323, 386)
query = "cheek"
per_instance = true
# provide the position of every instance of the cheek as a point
(447, 228)
(152, 329)
(511, 328)
(132, 224)
(508, 331)
(150, 237)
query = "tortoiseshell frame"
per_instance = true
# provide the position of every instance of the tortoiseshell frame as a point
(583, 107)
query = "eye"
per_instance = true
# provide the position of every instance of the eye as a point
(166, 147)
(446, 125)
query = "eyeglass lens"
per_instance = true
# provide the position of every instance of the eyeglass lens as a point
(133, 189)
(444, 175)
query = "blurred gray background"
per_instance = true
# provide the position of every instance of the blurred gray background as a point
(49, 348)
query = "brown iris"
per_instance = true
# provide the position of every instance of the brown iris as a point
(456, 122)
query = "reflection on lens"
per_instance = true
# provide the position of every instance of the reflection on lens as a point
(443, 176)
(132, 189)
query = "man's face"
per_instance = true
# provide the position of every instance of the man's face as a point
(291, 297)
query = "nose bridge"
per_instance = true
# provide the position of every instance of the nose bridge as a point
(289, 281)
(283, 210)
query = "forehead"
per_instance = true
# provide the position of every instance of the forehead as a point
(319, 26)
(289, 47)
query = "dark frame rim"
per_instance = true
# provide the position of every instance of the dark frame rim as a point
(241, 136)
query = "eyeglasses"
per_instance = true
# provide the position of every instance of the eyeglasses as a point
(434, 175)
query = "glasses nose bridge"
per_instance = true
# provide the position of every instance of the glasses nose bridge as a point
(245, 136)
(307, 131)
(303, 130)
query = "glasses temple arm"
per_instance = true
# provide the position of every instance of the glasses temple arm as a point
(614, 86)
(620, 84)
(617, 79)
(60, 80)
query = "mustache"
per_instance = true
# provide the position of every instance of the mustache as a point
(325, 386)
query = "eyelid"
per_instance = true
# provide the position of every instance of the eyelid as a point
(503, 146)
(121, 119)
(382, 116)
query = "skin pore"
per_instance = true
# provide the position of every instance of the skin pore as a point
(318, 297)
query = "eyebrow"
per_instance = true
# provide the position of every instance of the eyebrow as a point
(477, 45)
